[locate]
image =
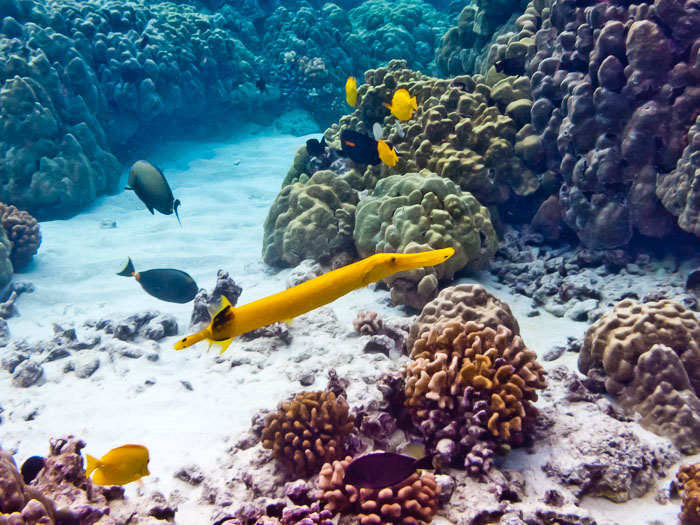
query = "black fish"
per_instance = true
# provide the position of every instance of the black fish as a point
(166, 284)
(261, 85)
(143, 43)
(31, 467)
(510, 67)
(383, 469)
(316, 148)
(358, 147)
(149, 184)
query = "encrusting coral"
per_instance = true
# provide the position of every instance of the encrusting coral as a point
(649, 355)
(415, 212)
(470, 390)
(308, 431)
(688, 483)
(310, 220)
(23, 232)
(463, 303)
(410, 502)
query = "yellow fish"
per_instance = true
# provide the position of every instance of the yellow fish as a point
(402, 105)
(386, 154)
(351, 91)
(119, 466)
(230, 322)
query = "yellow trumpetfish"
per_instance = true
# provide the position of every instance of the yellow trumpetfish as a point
(230, 322)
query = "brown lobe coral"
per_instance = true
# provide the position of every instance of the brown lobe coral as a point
(308, 431)
(688, 480)
(23, 232)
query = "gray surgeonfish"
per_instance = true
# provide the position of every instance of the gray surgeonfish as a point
(166, 284)
(383, 469)
(150, 185)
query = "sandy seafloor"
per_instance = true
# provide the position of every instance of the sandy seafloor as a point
(226, 190)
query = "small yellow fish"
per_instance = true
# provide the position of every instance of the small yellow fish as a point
(351, 91)
(230, 322)
(386, 154)
(119, 466)
(402, 105)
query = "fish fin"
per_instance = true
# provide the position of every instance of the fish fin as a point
(128, 269)
(414, 103)
(288, 322)
(176, 205)
(426, 462)
(387, 106)
(323, 142)
(90, 464)
(150, 209)
(224, 344)
(128, 188)
(140, 483)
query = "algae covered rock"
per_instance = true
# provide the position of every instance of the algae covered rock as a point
(311, 220)
(419, 212)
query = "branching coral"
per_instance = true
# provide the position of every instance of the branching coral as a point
(650, 356)
(308, 431)
(463, 302)
(310, 220)
(409, 502)
(688, 480)
(23, 232)
(469, 390)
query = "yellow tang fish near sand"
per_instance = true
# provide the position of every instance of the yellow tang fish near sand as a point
(402, 105)
(386, 153)
(119, 466)
(351, 91)
(230, 322)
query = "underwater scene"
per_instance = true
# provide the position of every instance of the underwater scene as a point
(295, 262)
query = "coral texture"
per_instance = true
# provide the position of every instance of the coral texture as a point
(308, 431)
(463, 303)
(21, 504)
(23, 232)
(311, 220)
(415, 212)
(688, 479)
(616, 88)
(650, 356)
(470, 390)
(410, 502)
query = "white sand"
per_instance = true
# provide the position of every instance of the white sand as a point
(223, 209)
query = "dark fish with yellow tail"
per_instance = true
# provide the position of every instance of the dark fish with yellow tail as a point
(230, 322)
(150, 185)
(166, 284)
(512, 67)
(383, 469)
(119, 466)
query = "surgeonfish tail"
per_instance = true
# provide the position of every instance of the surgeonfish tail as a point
(90, 465)
(409, 261)
(426, 462)
(176, 205)
(128, 270)
(414, 103)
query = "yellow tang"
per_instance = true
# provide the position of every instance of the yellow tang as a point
(387, 154)
(351, 91)
(402, 105)
(230, 322)
(119, 466)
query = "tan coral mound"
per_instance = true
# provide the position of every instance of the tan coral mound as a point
(19, 503)
(23, 232)
(494, 364)
(308, 431)
(688, 479)
(616, 340)
(410, 502)
(463, 302)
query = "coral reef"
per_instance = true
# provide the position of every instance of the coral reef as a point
(23, 232)
(463, 303)
(470, 390)
(409, 502)
(311, 220)
(80, 79)
(309, 430)
(616, 88)
(649, 355)
(414, 212)
(6, 268)
(688, 481)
